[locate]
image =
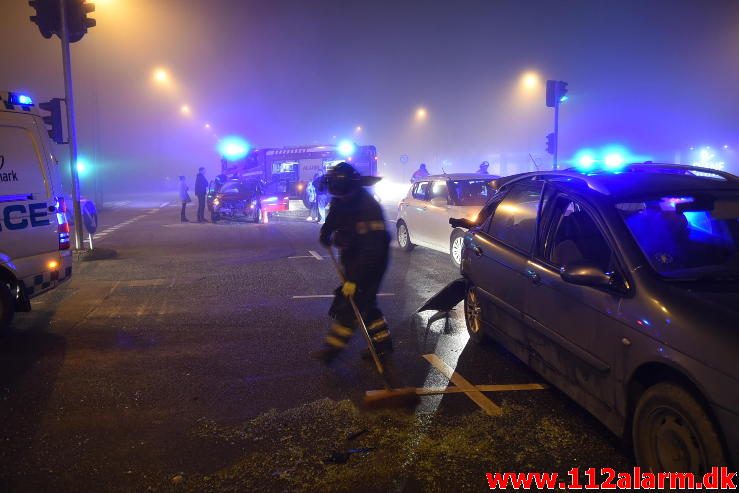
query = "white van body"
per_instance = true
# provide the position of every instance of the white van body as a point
(35, 253)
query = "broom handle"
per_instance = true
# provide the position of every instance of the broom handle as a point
(358, 316)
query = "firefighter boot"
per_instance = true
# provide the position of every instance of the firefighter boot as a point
(380, 335)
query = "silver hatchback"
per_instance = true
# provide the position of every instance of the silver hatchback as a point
(423, 215)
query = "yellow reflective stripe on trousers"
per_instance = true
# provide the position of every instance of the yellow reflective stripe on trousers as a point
(377, 323)
(381, 336)
(335, 341)
(342, 331)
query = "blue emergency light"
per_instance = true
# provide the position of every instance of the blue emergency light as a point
(346, 148)
(20, 99)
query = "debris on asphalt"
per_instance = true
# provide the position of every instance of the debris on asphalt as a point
(435, 452)
(356, 434)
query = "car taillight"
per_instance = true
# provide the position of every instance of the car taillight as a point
(63, 225)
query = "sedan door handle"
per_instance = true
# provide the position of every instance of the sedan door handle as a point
(533, 275)
(477, 250)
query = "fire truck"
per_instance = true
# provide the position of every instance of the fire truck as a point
(288, 170)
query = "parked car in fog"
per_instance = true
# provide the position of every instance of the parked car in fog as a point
(423, 215)
(621, 289)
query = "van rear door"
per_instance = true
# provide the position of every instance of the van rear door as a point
(27, 226)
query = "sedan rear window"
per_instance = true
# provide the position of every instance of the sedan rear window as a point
(687, 237)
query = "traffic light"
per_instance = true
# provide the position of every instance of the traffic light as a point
(556, 92)
(551, 143)
(47, 18)
(54, 119)
(77, 20)
(562, 91)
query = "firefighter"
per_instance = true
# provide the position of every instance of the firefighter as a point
(355, 225)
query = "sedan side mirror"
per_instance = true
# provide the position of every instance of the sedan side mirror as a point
(586, 275)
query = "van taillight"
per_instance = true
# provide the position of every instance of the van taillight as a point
(63, 225)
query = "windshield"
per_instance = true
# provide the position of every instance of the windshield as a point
(687, 237)
(469, 192)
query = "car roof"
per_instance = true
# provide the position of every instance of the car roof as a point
(640, 179)
(459, 176)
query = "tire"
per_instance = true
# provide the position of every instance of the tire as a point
(456, 245)
(7, 307)
(672, 431)
(214, 217)
(404, 237)
(257, 217)
(473, 317)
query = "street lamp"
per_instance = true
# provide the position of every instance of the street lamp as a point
(160, 76)
(358, 129)
(421, 114)
(185, 110)
(530, 81)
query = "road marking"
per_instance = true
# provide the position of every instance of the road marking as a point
(163, 204)
(310, 296)
(459, 390)
(470, 391)
(115, 227)
(315, 254)
(392, 221)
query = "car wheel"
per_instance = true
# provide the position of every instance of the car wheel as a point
(456, 246)
(7, 307)
(672, 432)
(257, 215)
(473, 316)
(214, 217)
(404, 237)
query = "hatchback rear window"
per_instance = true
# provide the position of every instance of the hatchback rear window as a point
(469, 192)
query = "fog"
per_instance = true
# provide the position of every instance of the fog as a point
(657, 77)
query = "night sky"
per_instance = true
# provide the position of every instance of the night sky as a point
(655, 76)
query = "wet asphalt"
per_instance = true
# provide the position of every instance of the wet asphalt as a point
(180, 361)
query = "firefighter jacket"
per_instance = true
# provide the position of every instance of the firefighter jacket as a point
(356, 225)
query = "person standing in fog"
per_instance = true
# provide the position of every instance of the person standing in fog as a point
(420, 173)
(184, 198)
(321, 196)
(312, 199)
(201, 189)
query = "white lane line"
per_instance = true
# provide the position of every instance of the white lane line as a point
(301, 256)
(114, 228)
(315, 254)
(163, 204)
(314, 296)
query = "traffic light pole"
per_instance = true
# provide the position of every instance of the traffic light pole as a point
(556, 127)
(67, 63)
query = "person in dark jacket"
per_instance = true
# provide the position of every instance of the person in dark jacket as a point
(355, 224)
(201, 189)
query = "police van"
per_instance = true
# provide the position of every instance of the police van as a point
(35, 253)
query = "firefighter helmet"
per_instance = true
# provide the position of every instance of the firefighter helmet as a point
(343, 180)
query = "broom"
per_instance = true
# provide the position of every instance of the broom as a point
(389, 397)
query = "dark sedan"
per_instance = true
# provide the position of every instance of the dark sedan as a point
(622, 289)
